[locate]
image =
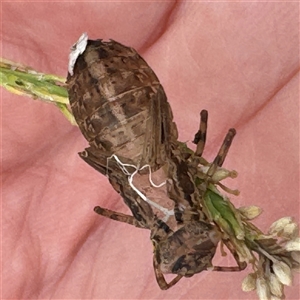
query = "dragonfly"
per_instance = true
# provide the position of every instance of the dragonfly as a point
(122, 111)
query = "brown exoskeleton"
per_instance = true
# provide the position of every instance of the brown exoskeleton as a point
(122, 111)
(186, 251)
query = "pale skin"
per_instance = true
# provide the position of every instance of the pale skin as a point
(238, 61)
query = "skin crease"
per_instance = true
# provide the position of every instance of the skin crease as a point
(239, 61)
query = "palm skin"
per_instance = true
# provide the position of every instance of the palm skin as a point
(238, 61)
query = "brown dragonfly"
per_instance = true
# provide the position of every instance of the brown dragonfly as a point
(122, 110)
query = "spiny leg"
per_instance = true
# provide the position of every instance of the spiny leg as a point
(160, 276)
(117, 216)
(240, 265)
(200, 136)
(219, 159)
(228, 269)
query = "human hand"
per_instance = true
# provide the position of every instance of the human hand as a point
(238, 61)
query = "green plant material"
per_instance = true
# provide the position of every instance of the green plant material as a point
(229, 219)
(22, 80)
(224, 213)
